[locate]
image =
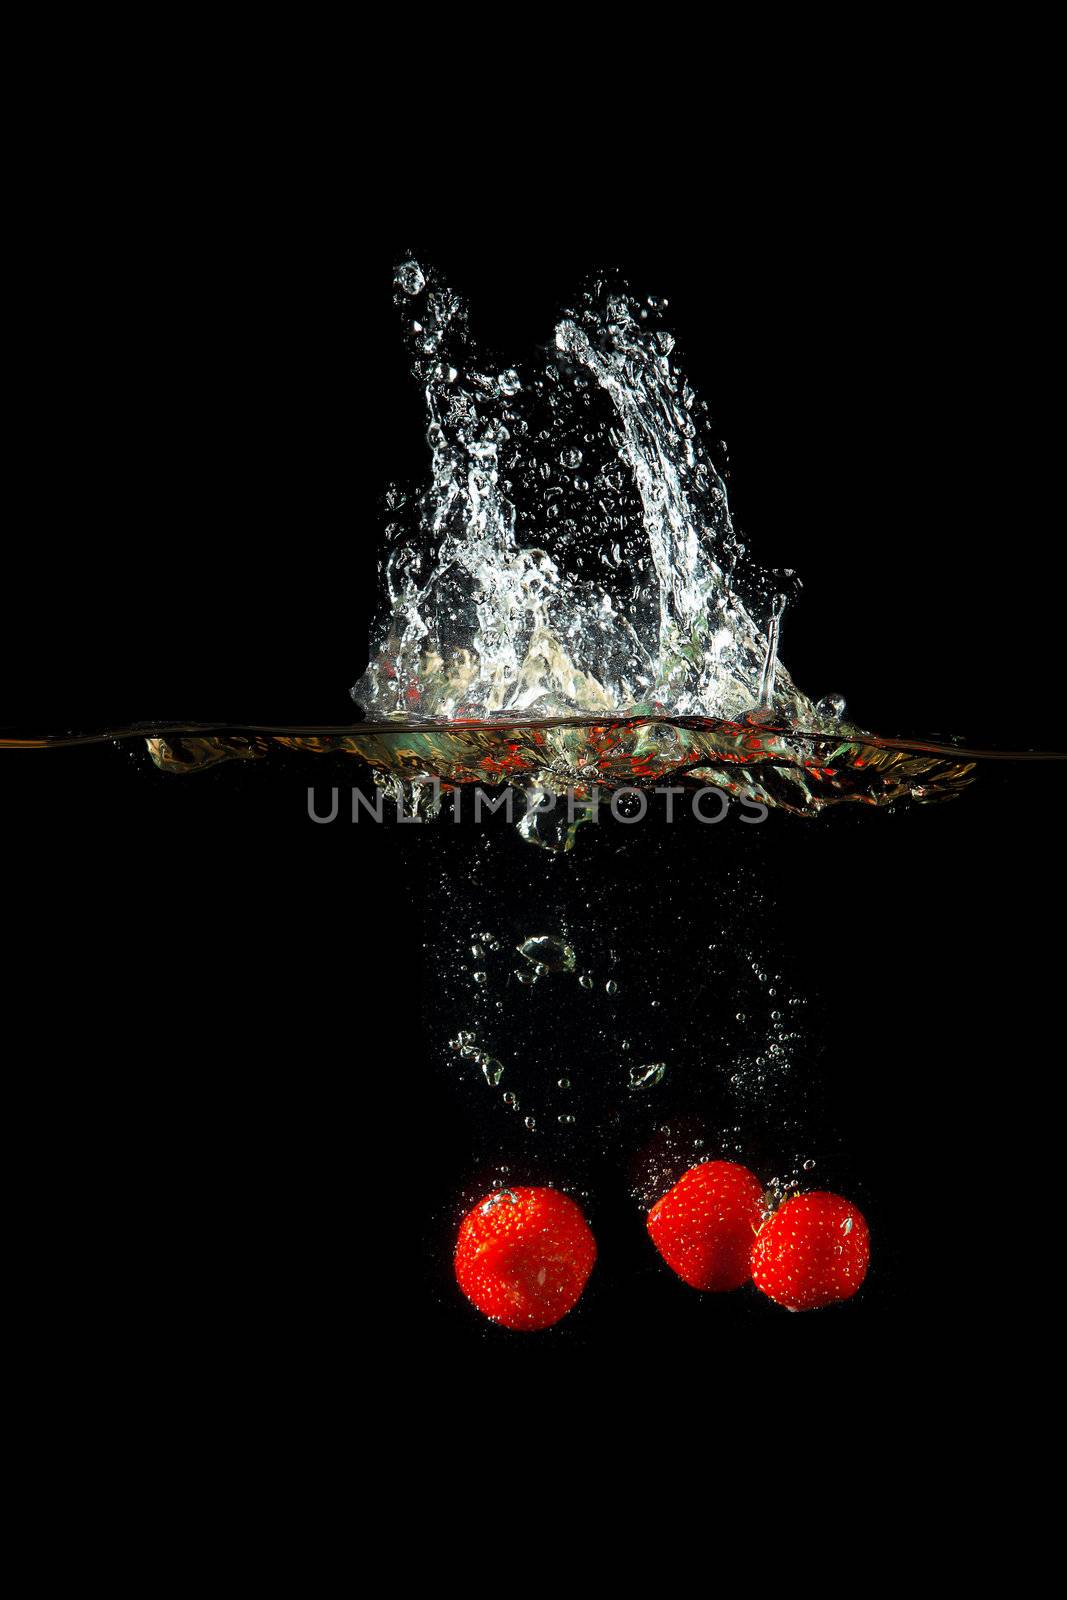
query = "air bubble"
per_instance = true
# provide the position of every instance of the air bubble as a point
(410, 277)
(546, 953)
(830, 708)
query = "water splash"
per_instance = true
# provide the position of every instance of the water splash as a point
(574, 551)
(568, 603)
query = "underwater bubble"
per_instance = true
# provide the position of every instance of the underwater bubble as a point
(646, 1077)
(830, 708)
(564, 1083)
(571, 458)
(493, 1070)
(547, 953)
(566, 1117)
(410, 277)
(480, 977)
(585, 981)
(509, 382)
(808, 1165)
(531, 1123)
(611, 987)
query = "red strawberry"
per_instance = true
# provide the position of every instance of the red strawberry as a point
(523, 1256)
(704, 1227)
(813, 1251)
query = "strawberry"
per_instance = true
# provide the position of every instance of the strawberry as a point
(812, 1252)
(523, 1256)
(704, 1227)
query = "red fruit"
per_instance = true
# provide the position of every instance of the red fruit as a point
(523, 1256)
(813, 1251)
(704, 1227)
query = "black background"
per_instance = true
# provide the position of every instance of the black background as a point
(235, 1125)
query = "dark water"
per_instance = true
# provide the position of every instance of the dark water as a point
(281, 1001)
